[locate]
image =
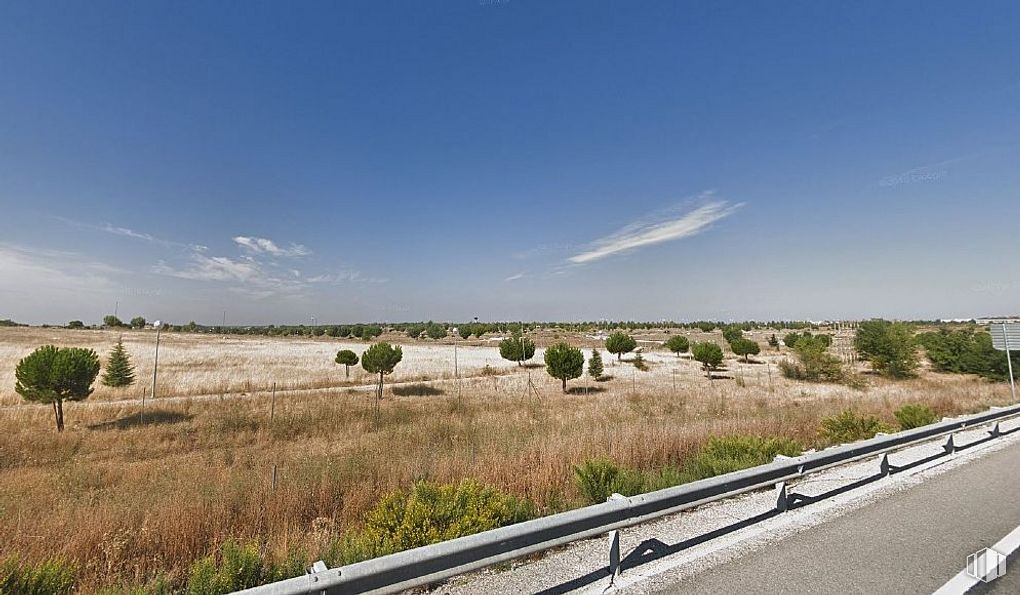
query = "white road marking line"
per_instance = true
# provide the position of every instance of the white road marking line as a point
(963, 582)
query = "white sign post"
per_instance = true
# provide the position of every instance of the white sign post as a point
(1003, 336)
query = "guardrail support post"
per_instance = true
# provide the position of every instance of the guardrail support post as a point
(614, 556)
(949, 446)
(883, 464)
(995, 432)
(782, 499)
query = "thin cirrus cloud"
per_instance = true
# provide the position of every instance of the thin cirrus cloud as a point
(266, 246)
(647, 233)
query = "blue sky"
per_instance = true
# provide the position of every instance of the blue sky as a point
(508, 160)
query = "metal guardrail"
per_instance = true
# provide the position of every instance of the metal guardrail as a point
(434, 563)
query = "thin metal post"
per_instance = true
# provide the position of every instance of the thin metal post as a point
(1009, 362)
(155, 367)
(272, 406)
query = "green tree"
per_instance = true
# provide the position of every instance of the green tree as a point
(76, 324)
(347, 358)
(790, 340)
(370, 331)
(112, 321)
(381, 358)
(435, 330)
(705, 327)
(464, 331)
(137, 322)
(732, 333)
(119, 369)
(678, 344)
(709, 354)
(815, 363)
(564, 362)
(52, 375)
(517, 349)
(745, 347)
(619, 343)
(889, 346)
(595, 369)
(415, 331)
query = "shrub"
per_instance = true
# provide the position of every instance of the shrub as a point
(430, 513)
(678, 344)
(137, 322)
(639, 362)
(51, 577)
(732, 453)
(815, 363)
(619, 343)
(966, 352)
(889, 346)
(791, 339)
(709, 354)
(76, 324)
(435, 330)
(564, 362)
(600, 478)
(915, 415)
(238, 566)
(849, 426)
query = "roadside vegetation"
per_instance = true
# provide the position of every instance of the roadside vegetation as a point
(206, 496)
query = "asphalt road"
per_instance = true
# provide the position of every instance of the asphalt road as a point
(911, 542)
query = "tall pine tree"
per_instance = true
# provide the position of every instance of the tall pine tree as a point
(119, 370)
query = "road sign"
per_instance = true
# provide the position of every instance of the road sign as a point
(1006, 337)
(1001, 333)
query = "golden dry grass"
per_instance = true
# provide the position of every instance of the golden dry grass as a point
(126, 500)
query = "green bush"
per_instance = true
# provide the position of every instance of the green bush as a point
(732, 453)
(430, 513)
(849, 426)
(238, 566)
(709, 354)
(915, 415)
(599, 478)
(815, 364)
(678, 344)
(51, 577)
(966, 352)
(889, 346)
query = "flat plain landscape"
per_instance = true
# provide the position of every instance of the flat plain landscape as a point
(131, 499)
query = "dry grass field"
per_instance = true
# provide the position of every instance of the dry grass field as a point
(126, 501)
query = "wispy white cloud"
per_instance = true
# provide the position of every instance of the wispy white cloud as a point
(515, 277)
(346, 276)
(655, 231)
(266, 246)
(40, 270)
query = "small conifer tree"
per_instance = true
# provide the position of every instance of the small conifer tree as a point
(595, 369)
(119, 371)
